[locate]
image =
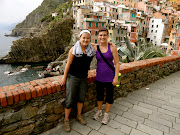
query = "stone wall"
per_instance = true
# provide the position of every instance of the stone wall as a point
(36, 106)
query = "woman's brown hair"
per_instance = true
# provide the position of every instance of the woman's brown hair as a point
(103, 29)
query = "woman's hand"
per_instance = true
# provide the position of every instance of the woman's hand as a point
(63, 81)
(115, 81)
(94, 46)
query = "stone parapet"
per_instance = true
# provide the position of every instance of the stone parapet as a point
(36, 106)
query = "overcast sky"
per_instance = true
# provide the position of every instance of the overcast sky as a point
(14, 11)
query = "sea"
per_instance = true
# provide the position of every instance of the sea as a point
(25, 75)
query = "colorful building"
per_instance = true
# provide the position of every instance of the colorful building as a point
(144, 7)
(93, 22)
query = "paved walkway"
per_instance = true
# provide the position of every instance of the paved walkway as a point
(151, 110)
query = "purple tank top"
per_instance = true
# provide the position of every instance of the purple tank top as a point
(103, 72)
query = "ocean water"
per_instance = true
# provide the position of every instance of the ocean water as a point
(6, 79)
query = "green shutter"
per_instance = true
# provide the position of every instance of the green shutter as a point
(102, 24)
(96, 24)
(95, 40)
(89, 24)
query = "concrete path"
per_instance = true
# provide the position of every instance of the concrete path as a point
(151, 110)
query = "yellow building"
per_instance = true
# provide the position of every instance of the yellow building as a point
(171, 43)
(174, 2)
(116, 31)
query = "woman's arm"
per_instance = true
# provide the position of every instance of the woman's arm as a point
(116, 62)
(68, 64)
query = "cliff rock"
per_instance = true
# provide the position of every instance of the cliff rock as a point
(46, 47)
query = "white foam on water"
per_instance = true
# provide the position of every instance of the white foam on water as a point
(6, 72)
(23, 69)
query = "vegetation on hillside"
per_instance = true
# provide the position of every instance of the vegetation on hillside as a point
(64, 8)
(35, 16)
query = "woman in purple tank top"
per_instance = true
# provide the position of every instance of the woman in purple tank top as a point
(105, 76)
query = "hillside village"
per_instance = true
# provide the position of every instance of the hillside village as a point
(158, 21)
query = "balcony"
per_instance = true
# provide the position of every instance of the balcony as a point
(94, 20)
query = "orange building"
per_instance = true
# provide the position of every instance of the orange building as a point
(174, 2)
(133, 34)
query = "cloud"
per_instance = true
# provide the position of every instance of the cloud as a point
(12, 11)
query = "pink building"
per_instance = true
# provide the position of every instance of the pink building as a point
(144, 7)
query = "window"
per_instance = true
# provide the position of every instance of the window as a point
(96, 24)
(102, 24)
(156, 31)
(95, 40)
(90, 24)
(152, 21)
(110, 34)
(116, 38)
(121, 38)
(151, 31)
(156, 26)
(114, 2)
(96, 33)
(132, 14)
(152, 26)
(122, 32)
(154, 37)
(116, 10)
(87, 16)
(118, 31)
